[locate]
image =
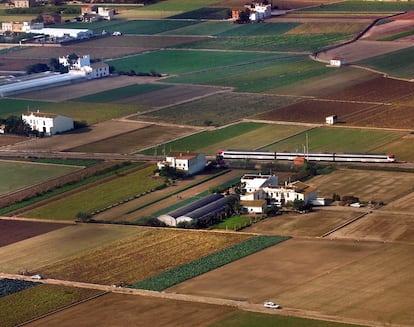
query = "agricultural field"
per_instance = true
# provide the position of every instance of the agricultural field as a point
(38, 301)
(305, 279)
(312, 224)
(84, 89)
(314, 111)
(121, 309)
(324, 28)
(140, 256)
(216, 110)
(338, 140)
(100, 196)
(381, 225)
(46, 249)
(116, 94)
(16, 175)
(266, 76)
(356, 7)
(396, 63)
(11, 139)
(296, 43)
(12, 231)
(203, 28)
(404, 204)
(16, 107)
(135, 140)
(185, 61)
(365, 184)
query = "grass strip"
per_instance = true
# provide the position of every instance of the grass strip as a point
(180, 190)
(205, 264)
(66, 188)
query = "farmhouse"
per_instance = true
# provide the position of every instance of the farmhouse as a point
(49, 124)
(95, 13)
(214, 204)
(24, 3)
(190, 163)
(337, 62)
(82, 66)
(260, 11)
(281, 194)
(255, 182)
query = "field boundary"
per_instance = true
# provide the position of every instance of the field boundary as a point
(349, 222)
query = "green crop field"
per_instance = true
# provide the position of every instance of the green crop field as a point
(99, 197)
(260, 29)
(217, 109)
(203, 139)
(204, 28)
(136, 26)
(264, 76)
(184, 61)
(398, 63)
(298, 43)
(203, 13)
(247, 319)
(365, 7)
(120, 93)
(338, 140)
(17, 107)
(37, 301)
(179, 5)
(17, 175)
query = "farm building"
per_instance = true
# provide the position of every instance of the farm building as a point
(24, 3)
(331, 120)
(190, 163)
(337, 62)
(253, 206)
(254, 182)
(44, 80)
(210, 205)
(62, 32)
(49, 124)
(260, 11)
(95, 13)
(51, 18)
(82, 65)
(281, 194)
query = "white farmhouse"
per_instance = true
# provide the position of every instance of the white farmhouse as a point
(260, 11)
(281, 194)
(84, 67)
(190, 163)
(49, 124)
(254, 182)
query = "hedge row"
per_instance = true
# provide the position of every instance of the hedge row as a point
(10, 286)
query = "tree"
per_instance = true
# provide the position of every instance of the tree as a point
(72, 59)
(56, 66)
(16, 125)
(37, 68)
(244, 16)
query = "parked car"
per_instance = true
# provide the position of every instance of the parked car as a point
(116, 33)
(36, 277)
(271, 305)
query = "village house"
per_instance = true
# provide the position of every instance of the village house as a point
(24, 3)
(83, 66)
(48, 124)
(190, 163)
(94, 13)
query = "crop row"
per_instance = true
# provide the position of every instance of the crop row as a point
(207, 263)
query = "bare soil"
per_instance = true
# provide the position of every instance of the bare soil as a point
(399, 25)
(314, 223)
(6, 139)
(67, 92)
(131, 310)
(362, 280)
(12, 231)
(362, 49)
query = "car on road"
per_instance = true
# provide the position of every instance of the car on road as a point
(271, 305)
(36, 277)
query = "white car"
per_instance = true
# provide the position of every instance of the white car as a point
(36, 277)
(271, 305)
(116, 33)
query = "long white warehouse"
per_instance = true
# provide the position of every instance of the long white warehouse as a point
(54, 79)
(62, 32)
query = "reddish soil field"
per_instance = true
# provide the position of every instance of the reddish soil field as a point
(12, 231)
(379, 89)
(12, 65)
(11, 139)
(169, 96)
(132, 310)
(313, 111)
(397, 26)
(406, 16)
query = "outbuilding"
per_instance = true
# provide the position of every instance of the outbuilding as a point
(190, 163)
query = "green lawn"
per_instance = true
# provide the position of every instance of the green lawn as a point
(16, 175)
(338, 140)
(185, 61)
(99, 196)
(398, 63)
(247, 319)
(233, 223)
(121, 93)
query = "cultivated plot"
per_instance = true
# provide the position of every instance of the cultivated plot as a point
(16, 175)
(365, 184)
(315, 223)
(121, 309)
(41, 250)
(140, 256)
(381, 225)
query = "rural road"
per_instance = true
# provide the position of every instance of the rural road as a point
(242, 305)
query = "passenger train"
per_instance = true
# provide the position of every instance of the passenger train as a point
(335, 157)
